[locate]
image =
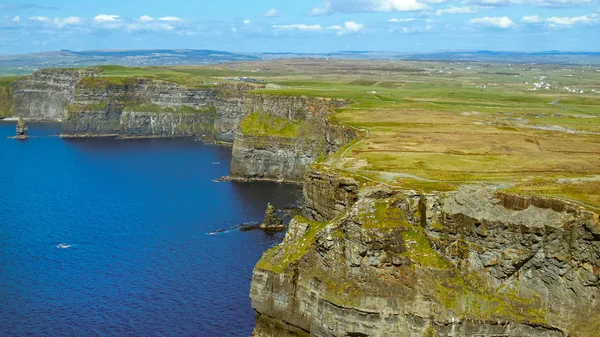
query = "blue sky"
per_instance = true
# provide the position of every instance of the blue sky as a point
(301, 25)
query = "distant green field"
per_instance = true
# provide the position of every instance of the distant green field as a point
(190, 76)
(450, 125)
(6, 106)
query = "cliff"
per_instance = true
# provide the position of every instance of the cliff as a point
(278, 138)
(398, 263)
(281, 135)
(138, 107)
(47, 94)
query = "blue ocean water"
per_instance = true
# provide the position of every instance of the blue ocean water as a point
(133, 218)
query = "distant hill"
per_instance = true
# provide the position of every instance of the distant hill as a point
(27, 63)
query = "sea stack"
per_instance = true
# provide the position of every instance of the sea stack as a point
(22, 129)
(271, 222)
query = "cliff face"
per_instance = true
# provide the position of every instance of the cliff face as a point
(467, 263)
(91, 106)
(280, 136)
(47, 93)
(138, 107)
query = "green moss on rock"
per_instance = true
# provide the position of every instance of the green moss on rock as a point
(278, 258)
(383, 215)
(107, 82)
(262, 124)
(183, 109)
(471, 296)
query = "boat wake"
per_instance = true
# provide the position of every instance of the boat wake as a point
(63, 246)
(241, 227)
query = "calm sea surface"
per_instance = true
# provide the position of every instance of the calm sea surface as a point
(134, 219)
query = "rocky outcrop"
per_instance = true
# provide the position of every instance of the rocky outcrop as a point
(327, 194)
(47, 94)
(271, 221)
(22, 129)
(465, 263)
(281, 136)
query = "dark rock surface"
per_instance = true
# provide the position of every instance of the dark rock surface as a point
(22, 129)
(271, 221)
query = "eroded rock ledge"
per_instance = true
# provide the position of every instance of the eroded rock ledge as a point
(398, 263)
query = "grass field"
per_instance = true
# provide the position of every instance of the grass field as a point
(434, 126)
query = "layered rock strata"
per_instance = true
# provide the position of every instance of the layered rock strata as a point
(139, 107)
(90, 105)
(465, 263)
(47, 94)
(281, 136)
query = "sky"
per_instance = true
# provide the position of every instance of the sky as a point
(301, 25)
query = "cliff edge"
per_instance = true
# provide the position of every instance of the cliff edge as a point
(398, 263)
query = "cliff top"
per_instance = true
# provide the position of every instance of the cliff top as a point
(529, 129)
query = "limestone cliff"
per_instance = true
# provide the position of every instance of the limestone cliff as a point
(397, 263)
(280, 136)
(47, 94)
(139, 107)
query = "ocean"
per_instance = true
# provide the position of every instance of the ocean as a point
(105, 237)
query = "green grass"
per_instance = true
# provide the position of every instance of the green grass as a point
(184, 109)
(185, 75)
(261, 124)
(6, 104)
(278, 258)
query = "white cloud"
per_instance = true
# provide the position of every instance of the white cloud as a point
(401, 20)
(247, 22)
(569, 21)
(556, 3)
(537, 3)
(498, 22)
(146, 18)
(412, 29)
(492, 3)
(16, 19)
(456, 10)
(152, 27)
(353, 27)
(106, 18)
(532, 19)
(58, 22)
(40, 19)
(150, 24)
(360, 6)
(301, 27)
(271, 13)
(171, 18)
(349, 27)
